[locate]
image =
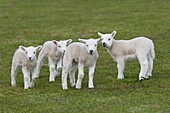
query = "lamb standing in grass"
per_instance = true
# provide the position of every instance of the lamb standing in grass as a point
(26, 58)
(141, 48)
(54, 50)
(78, 55)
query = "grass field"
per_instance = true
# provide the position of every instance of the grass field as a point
(32, 22)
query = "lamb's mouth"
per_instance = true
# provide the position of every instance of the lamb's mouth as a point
(91, 53)
(105, 46)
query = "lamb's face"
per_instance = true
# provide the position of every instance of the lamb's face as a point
(107, 39)
(62, 45)
(30, 51)
(91, 44)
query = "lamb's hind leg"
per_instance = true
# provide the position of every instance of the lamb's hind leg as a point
(36, 70)
(40, 62)
(59, 67)
(53, 73)
(72, 72)
(144, 66)
(120, 67)
(150, 67)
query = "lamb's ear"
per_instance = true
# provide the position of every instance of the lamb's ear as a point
(22, 48)
(82, 40)
(100, 34)
(99, 40)
(113, 33)
(55, 42)
(38, 48)
(69, 41)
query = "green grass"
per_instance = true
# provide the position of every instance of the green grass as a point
(32, 22)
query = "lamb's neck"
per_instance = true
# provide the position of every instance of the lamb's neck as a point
(113, 43)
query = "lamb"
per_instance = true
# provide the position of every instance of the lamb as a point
(141, 48)
(78, 55)
(24, 57)
(54, 50)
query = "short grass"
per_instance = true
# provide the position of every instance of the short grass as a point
(32, 22)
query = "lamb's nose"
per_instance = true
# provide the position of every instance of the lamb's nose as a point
(29, 58)
(104, 44)
(64, 51)
(91, 51)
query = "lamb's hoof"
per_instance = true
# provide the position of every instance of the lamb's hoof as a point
(91, 87)
(52, 80)
(73, 85)
(120, 78)
(149, 76)
(141, 79)
(65, 88)
(78, 88)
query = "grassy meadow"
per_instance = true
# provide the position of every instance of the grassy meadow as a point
(32, 22)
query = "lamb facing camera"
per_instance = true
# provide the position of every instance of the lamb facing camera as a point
(141, 48)
(78, 55)
(24, 57)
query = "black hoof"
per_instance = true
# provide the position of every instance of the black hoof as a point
(141, 79)
(149, 76)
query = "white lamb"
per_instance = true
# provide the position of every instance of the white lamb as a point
(141, 48)
(54, 50)
(78, 55)
(24, 57)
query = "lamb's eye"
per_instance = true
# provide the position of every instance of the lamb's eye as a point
(34, 52)
(26, 52)
(95, 45)
(108, 39)
(59, 46)
(87, 45)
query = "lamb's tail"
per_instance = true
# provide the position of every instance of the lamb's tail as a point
(152, 51)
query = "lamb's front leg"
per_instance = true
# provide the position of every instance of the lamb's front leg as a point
(59, 67)
(14, 70)
(91, 75)
(26, 73)
(80, 75)
(120, 67)
(52, 64)
(64, 77)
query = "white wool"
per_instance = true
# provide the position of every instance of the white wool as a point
(141, 48)
(78, 55)
(53, 50)
(24, 57)
(77, 51)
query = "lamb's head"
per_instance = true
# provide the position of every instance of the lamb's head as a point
(30, 51)
(107, 39)
(62, 44)
(91, 44)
